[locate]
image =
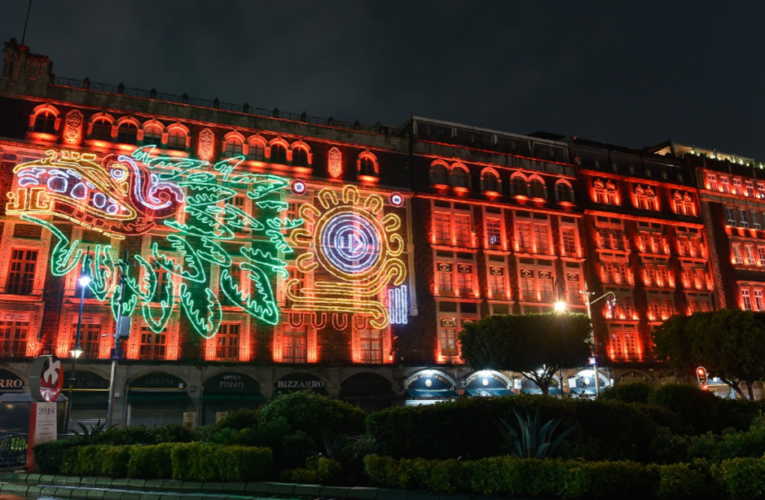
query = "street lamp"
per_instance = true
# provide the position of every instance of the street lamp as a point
(76, 351)
(589, 303)
(560, 306)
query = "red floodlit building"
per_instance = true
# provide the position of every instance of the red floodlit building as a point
(732, 194)
(645, 242)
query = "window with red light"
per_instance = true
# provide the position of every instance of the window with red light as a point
(749, 188)
(439, 175)
(90, 338)
(464, 279)
(737, 257)
(294, 345)
(725, 184)
(712, 182)
(761, 190)
(497, 283)
(761, 255)
(537, 188)
(490, 181)
(746, 300)
(13, 338)
(102, 130)
(300, 157)
(536, 279)
(519, 186)
(698, 303)
(730, 216)
(367, 166)
(45, 122)
(444, 277)
(127, 133)
(294, 274)
(227, 342)
(442, 223)
(568, 240)
(564, 192)
(755, 217)
(447, 335)
(152, 134)
(523, 237)
(164, 279)
(176, 139)
(278, 154)
(623, 342)
(463, 234)
(541, 238)
(574, 287)
(460, 177)
(236, 275)
(610, 234)
(743, 218)
(371, 346)
(614, 271)
(233, 147)
(21, 271)
(758, 304)
(494, 232)
(737, 186)
(153, 345)
(256, 150)
(750, 260)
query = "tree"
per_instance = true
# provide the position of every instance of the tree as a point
(730, 344)
(537, 345)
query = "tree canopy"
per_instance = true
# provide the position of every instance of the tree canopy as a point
(730, 344)
(537, 345)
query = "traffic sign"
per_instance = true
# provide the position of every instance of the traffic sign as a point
(116, 354)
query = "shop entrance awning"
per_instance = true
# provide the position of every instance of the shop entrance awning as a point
(440, 394)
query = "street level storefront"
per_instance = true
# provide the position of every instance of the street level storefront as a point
(90, 397)
(227, 392)
(583, 383)
(427, 387)
(488, 383)
(158, 399)
(300, 382)
(369, 391)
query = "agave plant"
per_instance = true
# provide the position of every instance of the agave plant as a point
(531, 439)
(88, 433)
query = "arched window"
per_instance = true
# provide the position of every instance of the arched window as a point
(45, 122)
(299, 157)
(367, 165)
(102, 130)
(537, 188)
(651, 202)
(257, 151)
(519, 185)
(564, 193)
(640, 197)
(233, 147)
(460, 178)
(610, 193)
(490, 181)
(127, 133)
(598, 192)
(152, 134)
(278, 154)
(176, 138)
(439, 175)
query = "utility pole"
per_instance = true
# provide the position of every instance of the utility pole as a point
(592, 332)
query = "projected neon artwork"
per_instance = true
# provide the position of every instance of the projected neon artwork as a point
(353, 242)
(127, 196)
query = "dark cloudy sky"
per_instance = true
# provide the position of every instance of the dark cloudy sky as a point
(634, 74)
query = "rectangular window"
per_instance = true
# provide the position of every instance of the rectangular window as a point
(227, 345)
(750, 255)
(624, 342)
(524, 237)
(371, 346)
(737, 258)
(442, 228)
(755, 219)
(494, 232)
(758, 304)
(528, 288)
(761, 189)
(153, 345)
(569, 240)
(444, 275)
(730, 216)
(661, 276)
(749, 188)
(746, 301)
(743, 219)
(21, 274)
(712, 179)
(541, 239)
(294, 345)
(13, 338)
(654, 310)
(497, 282)
(737, 186)
(546, 290)
(164, 279)
(462, 233)
(464, 279)
(761, 253)
(90, 338)
(447, 334)
(725, 184)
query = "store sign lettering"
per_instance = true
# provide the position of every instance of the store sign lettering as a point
(10, 383)
(300, 384)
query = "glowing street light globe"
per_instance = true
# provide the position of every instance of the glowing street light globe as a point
(84, 280)
(560, 306)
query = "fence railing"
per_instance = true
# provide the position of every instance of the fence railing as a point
(13, 449)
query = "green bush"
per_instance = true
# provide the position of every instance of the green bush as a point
(114, 460)
(50, 456)
(240, 419)
(693, 406)
(628, 392)
(294, 450)
(730, 444)
(315, 415)
(242, 463)
(741, 478)
(320, 470)
(194, 462)
(677, 481)
(152, 461)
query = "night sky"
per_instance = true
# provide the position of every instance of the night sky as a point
(633, 75)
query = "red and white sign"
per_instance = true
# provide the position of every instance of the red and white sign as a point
(46, 379)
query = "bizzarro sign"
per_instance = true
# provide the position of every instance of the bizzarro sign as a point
(300, 382)
(10, 382)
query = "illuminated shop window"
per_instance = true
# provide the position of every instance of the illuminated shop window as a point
(294, 345)
(227, 342)
(371, 346)
(45, 122)
(21, 271)
(460, 177)
(152, 134)
(153, 345)
(176, 139)
(278, 154)
(233, 147)
(490, 181)
(13, 338)
(300, 157)
(127, 133)
(257, 150)
(102, 130)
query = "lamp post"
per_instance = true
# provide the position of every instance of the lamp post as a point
(76, 352)
(589, 303)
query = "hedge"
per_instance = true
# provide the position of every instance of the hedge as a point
(186, 461)
(738, 478)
